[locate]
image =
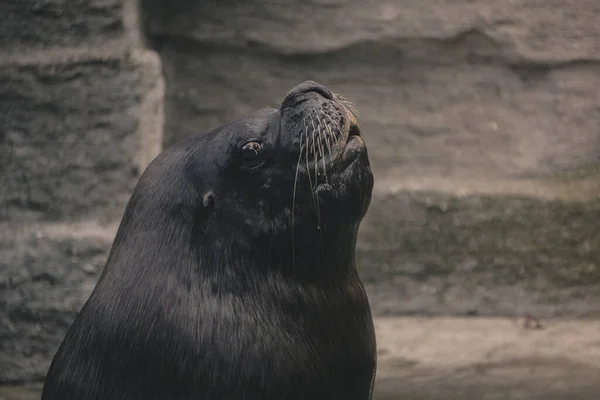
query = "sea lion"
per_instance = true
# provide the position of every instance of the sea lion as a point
(232, 274)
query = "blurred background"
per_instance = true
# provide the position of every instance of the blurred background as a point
(481, 249)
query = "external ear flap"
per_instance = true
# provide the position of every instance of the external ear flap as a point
(209, 199)
(202, 215)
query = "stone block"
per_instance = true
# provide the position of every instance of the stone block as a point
(36, 24)
(47, 272)
(434, 253)
(76, 136)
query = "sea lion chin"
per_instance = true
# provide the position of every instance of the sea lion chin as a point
(232, 274)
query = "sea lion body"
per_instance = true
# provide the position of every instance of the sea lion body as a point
(232, 274)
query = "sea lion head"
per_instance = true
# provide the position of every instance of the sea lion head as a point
(283, 186)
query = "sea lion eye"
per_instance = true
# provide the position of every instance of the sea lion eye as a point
(251, 153)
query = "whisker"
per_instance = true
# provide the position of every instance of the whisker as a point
(302, 148)
(328, 139)
(334, 122)
(350, 105)
(314, 151)
(312, 189)
(335, 138)
(322, 137)
(316, 195)
(318, 145)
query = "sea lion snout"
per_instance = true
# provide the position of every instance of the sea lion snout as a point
(317, 125)
(299, 93)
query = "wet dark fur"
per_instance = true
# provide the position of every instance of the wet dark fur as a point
(216, 288)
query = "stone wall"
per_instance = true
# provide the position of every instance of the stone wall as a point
(81, 115)
(482, 120)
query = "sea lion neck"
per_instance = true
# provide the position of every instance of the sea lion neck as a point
(307, 258)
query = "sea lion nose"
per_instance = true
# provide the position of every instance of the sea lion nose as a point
(307, 87)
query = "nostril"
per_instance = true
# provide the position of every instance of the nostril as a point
(320, 89)
(294, 97)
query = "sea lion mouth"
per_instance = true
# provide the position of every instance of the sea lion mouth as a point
(328, 143)
(340, 139)
(354, 143)
(353, 131)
